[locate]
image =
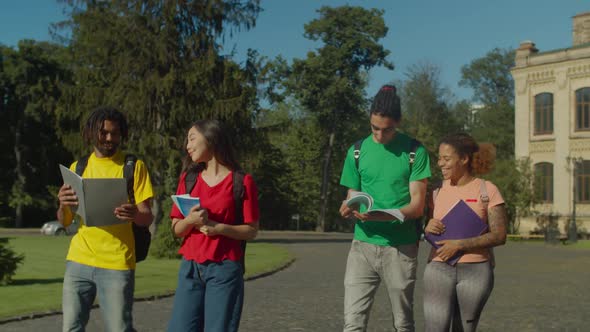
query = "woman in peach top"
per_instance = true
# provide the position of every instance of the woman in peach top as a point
(457, 293)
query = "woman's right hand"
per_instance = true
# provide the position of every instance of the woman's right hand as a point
(197, 217)
(435, 226)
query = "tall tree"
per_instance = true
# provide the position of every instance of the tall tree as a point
(29, 88)
(426, 102)
(159, 61)
(330, 83)
(515, 179)
(493, 86)
(427, 108)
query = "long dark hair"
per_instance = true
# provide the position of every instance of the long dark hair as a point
(218, 142)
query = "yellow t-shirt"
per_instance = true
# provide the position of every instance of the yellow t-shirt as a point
(109, 247)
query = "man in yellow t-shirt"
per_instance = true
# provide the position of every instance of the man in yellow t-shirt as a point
(101, 260)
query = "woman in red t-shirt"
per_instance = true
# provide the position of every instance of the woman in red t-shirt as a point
(456, 293)
(210, 289)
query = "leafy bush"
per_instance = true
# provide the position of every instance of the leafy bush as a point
(9, 262)
(165, 244)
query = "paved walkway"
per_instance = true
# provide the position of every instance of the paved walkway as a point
(538, 288)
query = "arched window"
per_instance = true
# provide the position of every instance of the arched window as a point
(583, 109)
(544, 183)
(583, 181)
(544, 113)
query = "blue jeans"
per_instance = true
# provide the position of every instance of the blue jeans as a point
(368, 265)
(115, 296)
(208, 297)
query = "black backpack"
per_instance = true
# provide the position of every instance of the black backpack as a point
(142, 235)
(414, 144)
(238, 190)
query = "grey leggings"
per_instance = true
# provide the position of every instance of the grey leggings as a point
(456, 294)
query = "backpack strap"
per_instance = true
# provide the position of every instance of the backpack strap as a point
(434, 194)
(81, 165)
(129, 175)
(431, 195)
(483, 195)
(141, 235)
(190, 180)
(238, 191)
(414, 144)
(357, 152)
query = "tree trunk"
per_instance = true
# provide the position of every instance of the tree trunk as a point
(157, 212)
(20, 180)
(321, 227)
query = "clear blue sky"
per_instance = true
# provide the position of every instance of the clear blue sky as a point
(448, 33)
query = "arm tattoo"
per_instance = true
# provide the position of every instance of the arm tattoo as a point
(497, 220)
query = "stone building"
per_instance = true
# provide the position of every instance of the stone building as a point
(552, 127)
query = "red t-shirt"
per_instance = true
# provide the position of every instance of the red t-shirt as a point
(219, 202)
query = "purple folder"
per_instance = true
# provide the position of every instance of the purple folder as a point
(460, 222)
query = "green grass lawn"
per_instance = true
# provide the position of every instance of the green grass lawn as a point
(37, 285)
(581, 244)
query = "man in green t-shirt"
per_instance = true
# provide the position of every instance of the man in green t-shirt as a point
(384, 249)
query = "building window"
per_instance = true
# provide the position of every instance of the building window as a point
(583, 181)
(544, 113)
(544, 177)
(583, 109)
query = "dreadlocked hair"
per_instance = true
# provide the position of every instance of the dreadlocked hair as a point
(96, 121)
(387, 103)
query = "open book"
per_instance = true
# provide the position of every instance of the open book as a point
(97, 198)
(185, 203)
(362, 198)
(461, 222)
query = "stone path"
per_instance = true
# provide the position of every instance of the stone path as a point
(538, 288)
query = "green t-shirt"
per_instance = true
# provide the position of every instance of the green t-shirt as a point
(384, 173)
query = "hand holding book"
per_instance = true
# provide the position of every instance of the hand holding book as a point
(460, 222)
(358, 198)
(185, 203)
(97, 198)
(449, 251)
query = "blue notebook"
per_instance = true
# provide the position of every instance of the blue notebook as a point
(461, 222)
(185, 203)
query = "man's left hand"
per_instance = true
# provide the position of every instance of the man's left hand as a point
(126, 212)
(373, 216)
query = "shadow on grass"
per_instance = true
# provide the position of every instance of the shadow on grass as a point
(27, 282)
